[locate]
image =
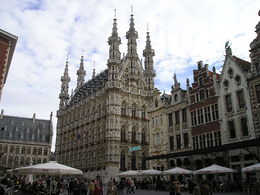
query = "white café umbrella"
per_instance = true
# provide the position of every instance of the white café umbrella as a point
(50, 168)
(151, 172)
(128, 173)
(252, 168)
(178, 171)
(214, 169)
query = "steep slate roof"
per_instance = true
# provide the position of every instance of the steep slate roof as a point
(24, 129)
(245, 65)
(90, 87)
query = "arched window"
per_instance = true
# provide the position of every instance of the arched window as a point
(143, 137)
(122, 161)
(39, 161)
(44, 160)
(143, 161)
(34, 151)
(22, 161)
(40, 151)
(4, 160)
(28, 161)
(143, 112)
(134, 110)
(16, 160)
(10, 160)
(133, 161)
(123, 133)
(123, 109)
(133, 135)
(176, 97)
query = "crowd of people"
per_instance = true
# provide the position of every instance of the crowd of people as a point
(82, 186)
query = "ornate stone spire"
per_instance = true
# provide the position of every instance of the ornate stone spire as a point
(148, 54)
(114, 41)
(255, 51)
(132, 35)
(94, 71)
(64, 93)
(81, 73)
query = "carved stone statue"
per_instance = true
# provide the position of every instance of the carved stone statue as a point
(228, 48)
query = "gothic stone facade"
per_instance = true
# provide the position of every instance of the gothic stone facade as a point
(24, 140)
(254, 79)
(107, 115)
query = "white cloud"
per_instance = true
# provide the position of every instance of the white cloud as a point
(182, 33)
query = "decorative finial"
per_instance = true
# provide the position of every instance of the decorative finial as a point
(82, 51)
(132, 10)
(175, 79)
(67, 57)
(228, 48)
(115, 13)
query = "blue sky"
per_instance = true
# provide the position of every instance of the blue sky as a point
(182, 33)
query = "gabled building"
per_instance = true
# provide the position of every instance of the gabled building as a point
(179, 131)
(204, 110)
(158, 130)
(106, 116)
(235, 110)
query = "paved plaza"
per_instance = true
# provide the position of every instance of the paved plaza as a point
(153, 192)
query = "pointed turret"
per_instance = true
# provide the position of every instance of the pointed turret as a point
(148, 54)
(132, 35)
(81, 73)
(114, 54)
(64, 93)
(255, 51)
(114, 41)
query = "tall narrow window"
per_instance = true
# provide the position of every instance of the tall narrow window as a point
(143, 137)
(202, 94)
(123, 134)
(133, 135)
(257, 67)
(241, 100)
(184, 115)
(228, 103)
(178, 140)
(186, 140)
(122, 161)
(133, 161)
(177, 117)
(193, 118)
(171, 139)
(232, 130)
(214, 109)
(244, 126)
(257, 90)
(170, 120)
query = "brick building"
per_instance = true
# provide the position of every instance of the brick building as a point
(7, 46)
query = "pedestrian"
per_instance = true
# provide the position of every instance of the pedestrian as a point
(121, 187)
(172, 188)
(84, 188)
(178, 188)
(91, 187)
(112, 190)
(197, 190)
